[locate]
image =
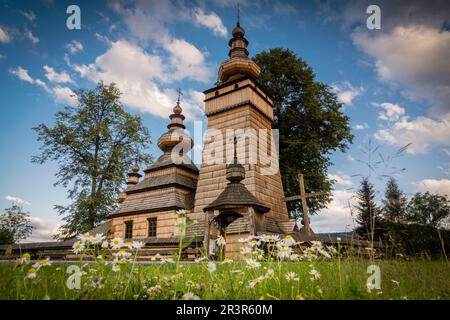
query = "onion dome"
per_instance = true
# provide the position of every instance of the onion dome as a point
(133, 176)
(238, 64)
(122, 197)
(176, 133)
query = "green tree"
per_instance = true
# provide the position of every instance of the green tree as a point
(368, 214)
(428, 209)
(395, 202)
(94, 144)
(15, 224)
(6, 237)
(310, 122)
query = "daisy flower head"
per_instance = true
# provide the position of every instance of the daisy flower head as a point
(86, 237)
(220, 241)
(252, 264)
(128, 244)
(115, 267)
(227, 260)
(182, 213)
(78, 247)
(42, 263)
(284, 251)
(315, 275)
(31, 273)
(211, 267)
(190, 296)
(292, 276)
(270, 273)
(26, 257)
(246, 250)
(98, 238)
(288, 240)
(105, 244)
(138, 245)
(117, 243)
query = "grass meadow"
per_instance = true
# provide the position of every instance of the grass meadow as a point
(317, 273)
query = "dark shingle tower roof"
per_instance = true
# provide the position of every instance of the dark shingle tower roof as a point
(235, 193)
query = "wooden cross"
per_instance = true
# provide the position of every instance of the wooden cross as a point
(306, 229)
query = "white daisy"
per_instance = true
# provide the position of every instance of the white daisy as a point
(78, 247)
(211, 267)
(98, 238)
(251, 264)
(190, 296)
(42, 263)
(117, 243)
(31, 273)
(138, 244)
(288, 241)
(284, 251)
(220, 241)
(315, 274)
(291, 276)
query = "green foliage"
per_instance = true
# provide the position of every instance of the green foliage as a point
(6, 237)
(414, 239)
(428, 209)
(368, 214)
(415, 279)
(94, 143)
(310, 122)
(15, 224)
(395, 202)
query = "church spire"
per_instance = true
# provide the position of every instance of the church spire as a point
(239, 64)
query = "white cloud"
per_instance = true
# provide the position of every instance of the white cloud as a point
(4, 36)
(337, 217)
(44, 229)
(17, 200)
(138, 73)
(441, 186)
(351, 158)
(341, 179)
(54, 76)
(30, 15)
(361, 126)
(392, 112)
(346, 92)
(422, 132)
(64, 95)
(414, 56)
(147, 21)
(60, 94)
(74, 46)
(211, 21)
(22, 74)
(445, 168)
(29, 35)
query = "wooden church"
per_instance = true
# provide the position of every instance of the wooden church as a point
(232, 200)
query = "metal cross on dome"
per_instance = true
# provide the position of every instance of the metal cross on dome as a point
(179, 94)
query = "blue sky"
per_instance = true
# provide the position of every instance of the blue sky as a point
(394, 82)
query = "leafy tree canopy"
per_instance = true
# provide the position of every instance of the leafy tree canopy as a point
(94, 144)
(428, 209)
(310, 121)
(15, 224)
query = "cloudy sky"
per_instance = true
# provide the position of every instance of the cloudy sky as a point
(394, 82)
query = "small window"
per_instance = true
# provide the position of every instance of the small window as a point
(217, 92)
(152, 227)
(128, 229)
(236, 86)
